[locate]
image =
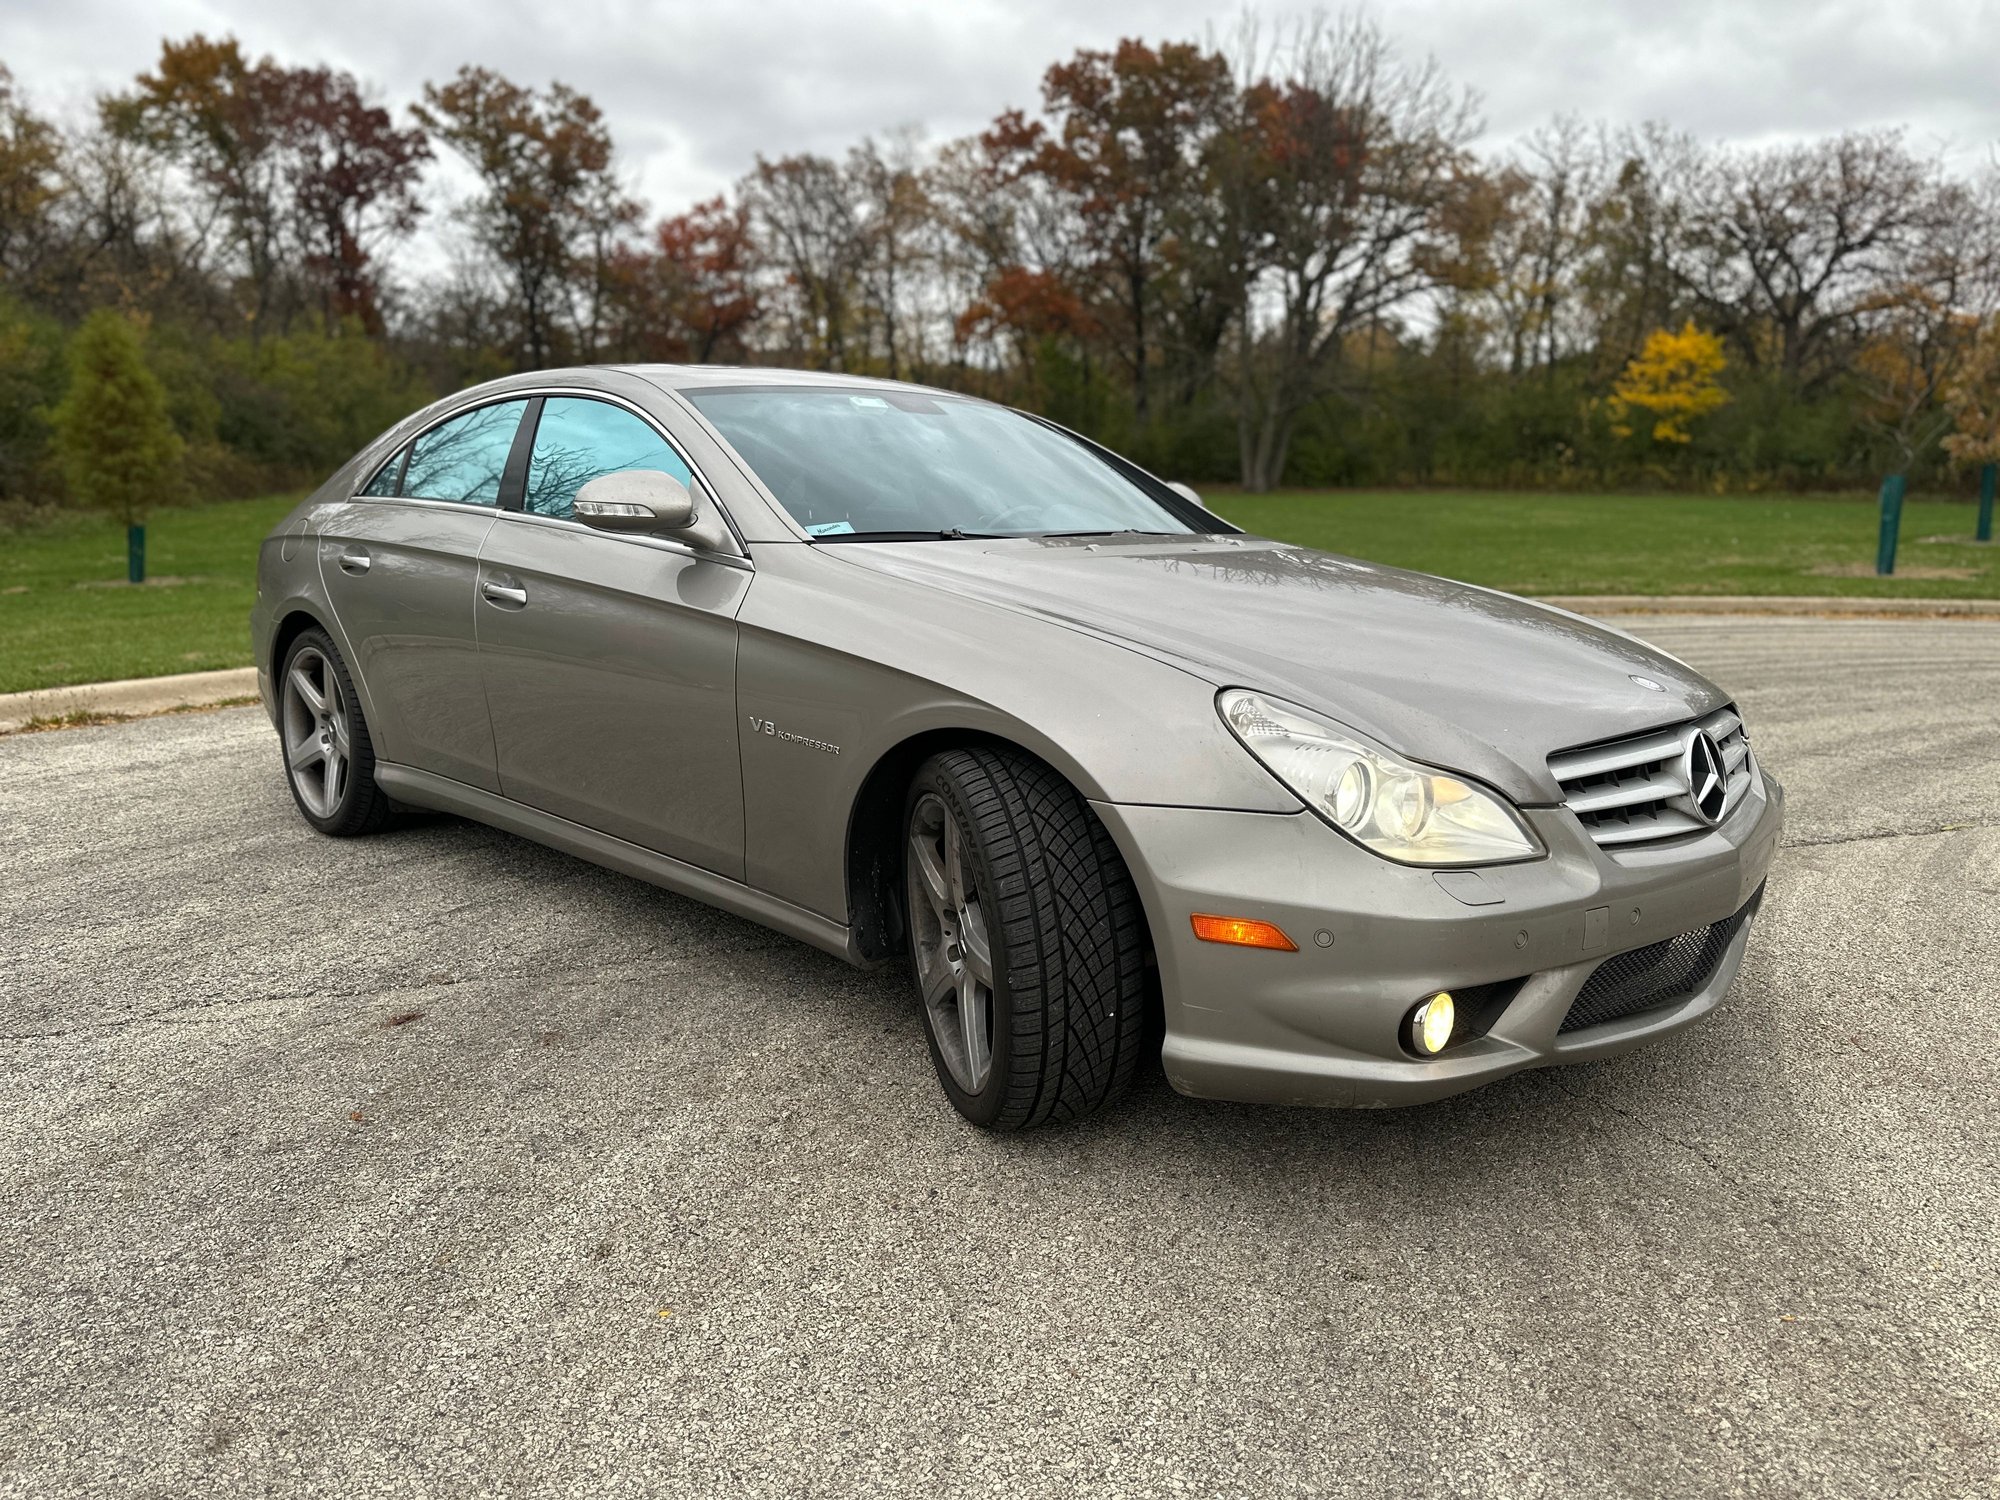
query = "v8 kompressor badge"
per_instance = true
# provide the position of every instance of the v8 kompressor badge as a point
(767, 726)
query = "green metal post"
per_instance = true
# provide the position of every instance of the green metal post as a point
(1892, 524)
(135, 554)
(1989, 480)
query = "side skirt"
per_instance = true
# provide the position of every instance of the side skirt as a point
(427, 789)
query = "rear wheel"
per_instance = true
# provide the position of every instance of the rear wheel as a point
(329, 757)
(1027, 939)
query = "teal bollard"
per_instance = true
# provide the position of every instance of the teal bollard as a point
(1892, 525)
(1989, 480)
(135, 554)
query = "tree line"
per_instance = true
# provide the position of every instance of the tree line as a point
(1272, 260)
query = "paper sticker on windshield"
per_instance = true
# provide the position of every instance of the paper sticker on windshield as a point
(875, 403)
(832, 528)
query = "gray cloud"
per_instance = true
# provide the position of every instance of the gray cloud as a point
(694, 90)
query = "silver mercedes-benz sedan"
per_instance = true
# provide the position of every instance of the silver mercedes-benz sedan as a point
(910, 675)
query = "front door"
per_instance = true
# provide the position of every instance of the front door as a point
(610, 661)
(400, 564)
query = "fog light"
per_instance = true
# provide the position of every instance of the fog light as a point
(1431, 1023)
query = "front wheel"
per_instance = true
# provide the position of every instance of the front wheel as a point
(1027, 938)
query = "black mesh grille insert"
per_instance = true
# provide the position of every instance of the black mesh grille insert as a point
(1657, 974)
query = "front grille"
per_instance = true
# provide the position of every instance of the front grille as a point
(1635, 791)
(1657, 974)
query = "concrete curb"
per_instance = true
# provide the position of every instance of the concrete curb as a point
(128, 699)
(1848, 607)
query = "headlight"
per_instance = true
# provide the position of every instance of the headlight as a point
(1401, 811)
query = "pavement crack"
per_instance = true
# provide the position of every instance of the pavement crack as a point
(175, 1015)
(1645, 1125)
(1874, 838)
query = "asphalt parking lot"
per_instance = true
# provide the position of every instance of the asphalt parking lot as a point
(646, 1200)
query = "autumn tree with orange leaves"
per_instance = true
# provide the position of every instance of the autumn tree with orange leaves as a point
(308, 178)
(551, 212)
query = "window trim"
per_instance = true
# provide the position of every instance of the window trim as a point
(410, 447)
(399, 461)
(514, 475)
(535, 395)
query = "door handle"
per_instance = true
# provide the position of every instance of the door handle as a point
(499, 593)
(354, 562)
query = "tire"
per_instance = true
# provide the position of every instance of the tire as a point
(1002, 855)
(323, 737)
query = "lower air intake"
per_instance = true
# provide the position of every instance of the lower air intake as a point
(1657, 974)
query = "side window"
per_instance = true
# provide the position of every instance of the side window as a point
(463, 459)
(578, 440)
(384, 482)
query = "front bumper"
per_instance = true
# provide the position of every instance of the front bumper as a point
(1324, 1025)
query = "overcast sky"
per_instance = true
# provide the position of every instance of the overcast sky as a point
(693, 91)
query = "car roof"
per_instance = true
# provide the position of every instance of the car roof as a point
(686, 377)
(691, 377)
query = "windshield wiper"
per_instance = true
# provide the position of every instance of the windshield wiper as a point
(959, 534)
(948, 534)
(1120, 531)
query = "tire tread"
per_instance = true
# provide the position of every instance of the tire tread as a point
(1072, 930)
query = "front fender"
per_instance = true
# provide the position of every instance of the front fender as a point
(838, 666)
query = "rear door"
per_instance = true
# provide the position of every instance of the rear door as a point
(610, 661)
(400, 563)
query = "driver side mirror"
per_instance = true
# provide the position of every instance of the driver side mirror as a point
(646, 502)
(635, 500)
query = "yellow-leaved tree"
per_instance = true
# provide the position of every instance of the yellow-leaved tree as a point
(1674, 378)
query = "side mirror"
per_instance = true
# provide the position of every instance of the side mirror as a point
(1186, 492)
(646, 502)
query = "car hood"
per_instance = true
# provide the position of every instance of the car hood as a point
(1464, 678)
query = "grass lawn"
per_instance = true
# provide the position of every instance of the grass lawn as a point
(67, 615)
(1635, 544)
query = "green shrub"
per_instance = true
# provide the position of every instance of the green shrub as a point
(32, 376)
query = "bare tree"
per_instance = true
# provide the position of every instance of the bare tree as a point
(30, 182)
(549, 186)
(1632, 279)
(805, 210)
(1787, 246)
(896, 216)
(1920, 326)
(1358, 153)
(1558, 177)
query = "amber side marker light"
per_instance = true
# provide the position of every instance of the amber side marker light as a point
(1242, 932)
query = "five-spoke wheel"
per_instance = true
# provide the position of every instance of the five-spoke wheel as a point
(318, 745)
(954, 952)
(1027, 938)
(329, 759)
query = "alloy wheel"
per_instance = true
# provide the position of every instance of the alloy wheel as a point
(318, 750)
(954, 951)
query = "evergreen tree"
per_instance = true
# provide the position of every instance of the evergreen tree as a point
(119, 450)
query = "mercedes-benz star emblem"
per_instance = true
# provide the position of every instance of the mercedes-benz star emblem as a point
(1708, 782)
(1648, 684)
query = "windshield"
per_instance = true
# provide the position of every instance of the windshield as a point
(855, 463)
